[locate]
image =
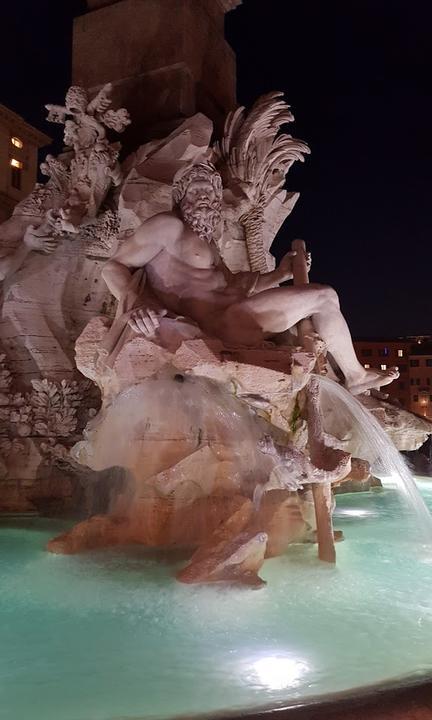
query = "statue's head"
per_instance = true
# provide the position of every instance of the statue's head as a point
(197, 193)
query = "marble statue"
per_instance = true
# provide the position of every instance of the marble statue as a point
(51, 251)
(94, 164)
(210, 401)
(208, 429)
(185, 273)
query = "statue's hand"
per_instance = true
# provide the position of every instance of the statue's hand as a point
(37, 239)
(146, 322)
(285, 267)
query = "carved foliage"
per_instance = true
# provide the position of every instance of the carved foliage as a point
(80, 178)
(51, 409)
(54, 407)
(254, 152)
(254, 158)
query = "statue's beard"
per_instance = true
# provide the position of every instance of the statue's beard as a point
(202, 220)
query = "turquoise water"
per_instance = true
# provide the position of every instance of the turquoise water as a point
(111, 635)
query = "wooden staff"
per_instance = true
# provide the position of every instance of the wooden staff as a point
(321, 492)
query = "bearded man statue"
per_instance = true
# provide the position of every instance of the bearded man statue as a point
(201, 216)
(187, 276)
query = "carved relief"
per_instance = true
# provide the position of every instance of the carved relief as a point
(51, 409)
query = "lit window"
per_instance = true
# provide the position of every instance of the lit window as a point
(17, 142)
(384, 367)
(16, 172)
(16, 164)
(367, 366)
(400, 353)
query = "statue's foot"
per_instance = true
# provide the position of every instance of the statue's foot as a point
(372, 379)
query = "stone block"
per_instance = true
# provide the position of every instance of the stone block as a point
(166, 58)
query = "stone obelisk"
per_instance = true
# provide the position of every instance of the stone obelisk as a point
(166, 59)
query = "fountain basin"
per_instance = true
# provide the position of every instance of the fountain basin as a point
(110, 634)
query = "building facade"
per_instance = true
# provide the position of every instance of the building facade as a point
(413, 357)
(19, 145)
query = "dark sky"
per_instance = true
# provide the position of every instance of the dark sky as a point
(358, 76)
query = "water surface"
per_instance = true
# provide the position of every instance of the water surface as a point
(112, 635)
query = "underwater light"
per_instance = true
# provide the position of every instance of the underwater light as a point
(279, 672)
(354, 513)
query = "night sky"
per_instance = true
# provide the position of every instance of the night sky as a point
(358, 76)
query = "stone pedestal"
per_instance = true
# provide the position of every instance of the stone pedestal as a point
(167, 59)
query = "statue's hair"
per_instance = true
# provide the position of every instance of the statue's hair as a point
(200, 171)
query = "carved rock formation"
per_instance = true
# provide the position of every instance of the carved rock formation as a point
(237, 560)
(407, 430)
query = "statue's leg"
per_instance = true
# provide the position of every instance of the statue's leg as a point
(276, 310)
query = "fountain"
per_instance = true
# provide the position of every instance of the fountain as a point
(176, 400)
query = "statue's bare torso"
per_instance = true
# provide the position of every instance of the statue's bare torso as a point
(184, 271)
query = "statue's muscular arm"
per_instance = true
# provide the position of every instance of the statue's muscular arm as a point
(148, 240)
(254, 282)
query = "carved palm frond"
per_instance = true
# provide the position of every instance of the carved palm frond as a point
(256, 155)
(253, 151)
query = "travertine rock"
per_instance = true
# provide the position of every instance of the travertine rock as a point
(406, 430)
(149, 172)
(267, 377)
(237, 560)
(155, 522)
(280, 517)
